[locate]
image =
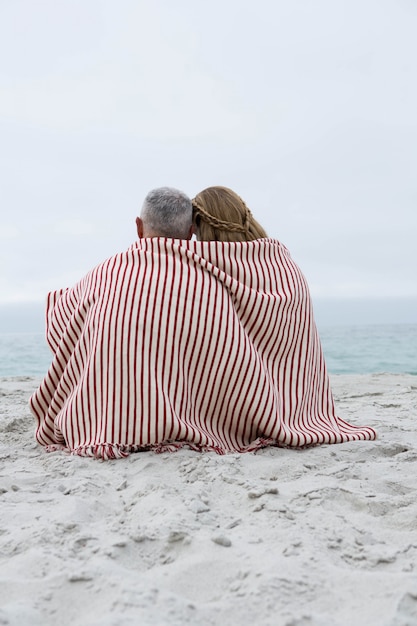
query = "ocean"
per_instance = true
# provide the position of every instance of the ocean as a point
(356, 349)
(369, 349)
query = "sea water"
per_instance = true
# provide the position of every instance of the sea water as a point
(347, 350)
(24, 354)
(368, 349)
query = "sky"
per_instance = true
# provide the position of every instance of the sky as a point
(307, 109)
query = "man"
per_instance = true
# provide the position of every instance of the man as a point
(99, 331)
(174, 342)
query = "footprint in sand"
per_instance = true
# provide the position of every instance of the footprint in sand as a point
(406, 614)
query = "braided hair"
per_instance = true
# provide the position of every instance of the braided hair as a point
(221, 215)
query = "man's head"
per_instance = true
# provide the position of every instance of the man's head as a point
(166, 212)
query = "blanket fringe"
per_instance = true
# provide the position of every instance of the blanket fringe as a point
(109, 451)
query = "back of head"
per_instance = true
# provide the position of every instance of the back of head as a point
(221, 215)
(167, 212)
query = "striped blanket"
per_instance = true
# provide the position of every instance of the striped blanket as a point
(206, 344)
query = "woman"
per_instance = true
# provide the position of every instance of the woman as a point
(272, 301)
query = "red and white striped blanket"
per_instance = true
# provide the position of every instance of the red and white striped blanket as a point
(207, 344)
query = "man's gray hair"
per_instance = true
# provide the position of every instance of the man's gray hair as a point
(168, 212)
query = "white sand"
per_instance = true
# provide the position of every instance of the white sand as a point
(325, 536)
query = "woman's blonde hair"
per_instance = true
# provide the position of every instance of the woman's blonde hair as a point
(221, 215)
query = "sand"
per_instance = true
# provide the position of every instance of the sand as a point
(325, 536)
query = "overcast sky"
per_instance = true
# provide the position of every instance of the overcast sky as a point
(306, 108)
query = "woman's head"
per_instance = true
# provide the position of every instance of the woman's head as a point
(221, 215)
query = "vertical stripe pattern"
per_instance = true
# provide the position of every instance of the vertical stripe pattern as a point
(207, 344)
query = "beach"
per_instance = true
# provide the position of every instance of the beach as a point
(321, 536)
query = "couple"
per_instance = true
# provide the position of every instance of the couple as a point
(209, 343)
